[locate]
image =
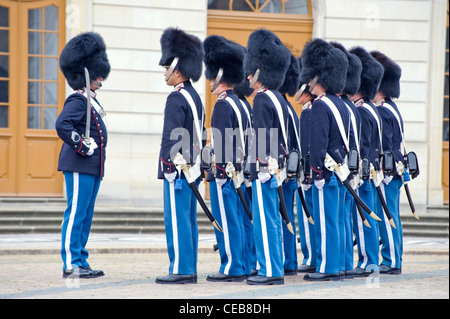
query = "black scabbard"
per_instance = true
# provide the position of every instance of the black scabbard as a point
(410, 201)
(204, 207)
(283, 209)
(385, 208)
(305, 207)
(359, 201)
(244, 203)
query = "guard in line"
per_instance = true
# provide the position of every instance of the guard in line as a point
(224, 68)
(290, 186)
(391, 238)
(82, 156)
(243, 91)
(306, 229)
(182, 57)
(266, 62)
(367, 238)
(352, 83)
(326, 68)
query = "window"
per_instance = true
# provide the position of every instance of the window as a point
(4, 66)
(268, 6)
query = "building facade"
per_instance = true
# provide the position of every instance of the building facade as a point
(32, 88)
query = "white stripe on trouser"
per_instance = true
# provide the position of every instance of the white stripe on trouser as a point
(73, 211)
(226, 234)
(387, 225)
(307, 234)
(362, 241)
(173, 214)
(323, 232)
(264, 229)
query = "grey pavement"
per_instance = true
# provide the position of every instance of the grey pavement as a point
(30, 268)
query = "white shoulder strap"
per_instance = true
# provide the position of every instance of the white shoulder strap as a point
(295, 128)
(355, 129)
(375, 116)
(239, 117)
(247, 113)
(280, 113)
(195, 115)
(397, 116)
(338, 118)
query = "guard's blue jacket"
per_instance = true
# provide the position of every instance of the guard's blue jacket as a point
(352, 140)
(179, 121)
(370, 144)
(70, 127)
(392, 136)
(227, 145)
(293, 140)
(304, 137)
(325, 136)
(265, 117)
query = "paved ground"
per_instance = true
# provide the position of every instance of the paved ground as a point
(30, 267)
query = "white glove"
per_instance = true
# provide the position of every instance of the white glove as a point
(305, 187)
(319, 184)
(220, 181)
(170, 176)
(264, 177)
(91, 144)
(387, 179)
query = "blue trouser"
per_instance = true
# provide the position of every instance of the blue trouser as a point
(267, 229)
(326, 219)
(290, 240)
(306, 229)
(345, 227)
(180, 220)
(391, 238)
(367, 239)
(249, 252)
(82, 190)
(224, 207)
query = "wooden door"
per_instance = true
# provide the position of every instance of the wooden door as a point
(34, 89)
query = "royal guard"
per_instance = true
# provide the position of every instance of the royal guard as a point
(244, 91)
(349, 208)
(326, 69)
(82, 127)
(266, 63)
(229, 123)
(367, 238)
(305, 223)
(290, 186)
(393, 142)
(181, 145)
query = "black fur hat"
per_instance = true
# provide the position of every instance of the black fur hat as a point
(371, 74)
(187, 48)
(319, 58)
(292, 78)
(86, 50)
(267, 53)
(390, 83)
(353, 80)
(221, 53)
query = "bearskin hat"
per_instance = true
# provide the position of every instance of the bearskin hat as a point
(371, 74)
(390, 82)
(353, 79)
(86, 50)
(221, 53)
(267, 53)
(187, 48)
(321, 59)
(292, 78)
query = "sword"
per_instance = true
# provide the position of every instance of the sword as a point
(342, 172)
(377, 180)
(231, 172)
(274, 170)
(88, 111)
(181, 165)
(305, 207)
